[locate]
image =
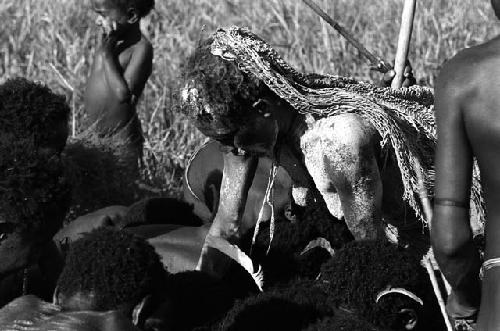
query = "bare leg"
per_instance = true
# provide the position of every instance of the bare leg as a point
(236, 180)
(340, 156)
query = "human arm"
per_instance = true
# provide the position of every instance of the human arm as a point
(112, 70)
(408, 81)
(138, 70)
(451, 234)
(237, 177)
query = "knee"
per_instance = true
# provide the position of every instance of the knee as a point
(352, 130)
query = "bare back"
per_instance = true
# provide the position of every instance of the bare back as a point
(481, 115)
(468, 126)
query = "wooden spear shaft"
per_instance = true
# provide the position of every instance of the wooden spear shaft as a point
(377, 62)
(404, 42)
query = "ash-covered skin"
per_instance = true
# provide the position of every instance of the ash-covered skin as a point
(34, 193)
(339, 155)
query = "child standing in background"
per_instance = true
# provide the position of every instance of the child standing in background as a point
(121, 68)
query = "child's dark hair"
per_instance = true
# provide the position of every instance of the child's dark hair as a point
(33, 190)
(216, 94)
(143, 7)
(115, 266)
(29, 109)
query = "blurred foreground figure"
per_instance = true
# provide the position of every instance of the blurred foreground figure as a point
(114, 280)
(467, 115)
(31, 313)
(34, 190)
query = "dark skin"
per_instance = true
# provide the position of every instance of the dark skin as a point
(121, 68)
(21, 248)
(467, 113)
(30, 310)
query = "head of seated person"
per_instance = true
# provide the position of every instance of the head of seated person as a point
(107, 270)
(293, 306)
(29, 109)
(384, 283)
(34, 198)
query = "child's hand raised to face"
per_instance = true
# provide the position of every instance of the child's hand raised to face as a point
(109, 41)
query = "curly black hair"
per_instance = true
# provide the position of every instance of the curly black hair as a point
(284, 261)
(34, 192)
(216, 94)
(143, 7)
(115, 266)
(29, 109)
(344, 322)
(288, 308)
(362, 269)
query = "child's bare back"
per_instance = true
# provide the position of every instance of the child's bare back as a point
(121, 68)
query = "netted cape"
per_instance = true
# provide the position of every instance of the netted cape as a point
(404, 117)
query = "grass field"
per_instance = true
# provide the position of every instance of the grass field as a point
(54, 41)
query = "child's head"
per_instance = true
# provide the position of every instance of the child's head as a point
(32, 110)
(117, 15)
(109, 269)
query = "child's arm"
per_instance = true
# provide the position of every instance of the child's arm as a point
(138, 70)
(112, 70)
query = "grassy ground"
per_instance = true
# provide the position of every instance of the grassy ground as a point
(54, 41)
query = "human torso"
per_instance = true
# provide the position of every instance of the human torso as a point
(481, 113)
(101, 104)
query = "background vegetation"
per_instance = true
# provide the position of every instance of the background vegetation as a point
(54, 41)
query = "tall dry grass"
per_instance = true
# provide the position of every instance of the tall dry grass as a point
(54, 42)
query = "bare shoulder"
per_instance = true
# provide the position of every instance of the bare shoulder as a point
(144, 48)
(455, 75)
(466, 80)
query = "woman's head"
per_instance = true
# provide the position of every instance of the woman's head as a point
(227, 104)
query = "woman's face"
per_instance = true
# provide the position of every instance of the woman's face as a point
(258, 135)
